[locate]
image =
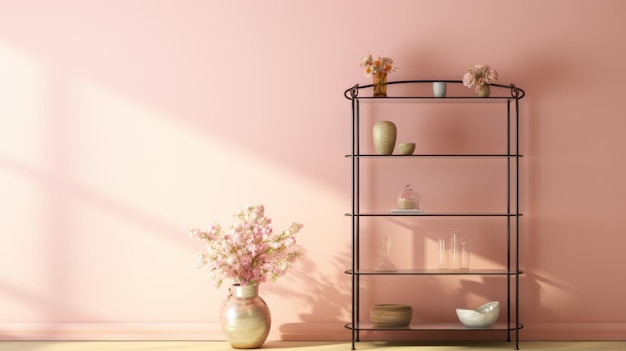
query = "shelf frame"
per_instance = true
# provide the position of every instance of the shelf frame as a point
(512, 214)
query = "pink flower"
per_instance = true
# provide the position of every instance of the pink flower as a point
(481, 68)
(366, 61)
(468, 79)
(491, 76)
(249, 250)
(479, 75)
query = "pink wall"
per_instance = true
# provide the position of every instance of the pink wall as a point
(124, 123)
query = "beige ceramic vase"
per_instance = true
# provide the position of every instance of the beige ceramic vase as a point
(483, 91)
(385, 133)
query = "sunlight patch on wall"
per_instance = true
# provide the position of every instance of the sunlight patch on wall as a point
(101, 190)
(23, 106)
(22, 157)
(140, 174)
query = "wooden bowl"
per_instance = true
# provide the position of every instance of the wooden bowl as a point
(391, 315)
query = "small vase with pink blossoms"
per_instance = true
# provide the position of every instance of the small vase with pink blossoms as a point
(479, 77)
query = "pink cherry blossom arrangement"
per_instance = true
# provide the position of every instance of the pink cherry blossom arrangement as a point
(479, 75)
(377, 65)
(249, 250)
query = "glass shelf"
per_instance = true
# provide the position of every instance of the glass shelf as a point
(439, 155)
(437, 272)
(436, 214)
(499, 93)
(450, 326)
(431, 99)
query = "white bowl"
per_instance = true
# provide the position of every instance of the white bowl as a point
(480, 317)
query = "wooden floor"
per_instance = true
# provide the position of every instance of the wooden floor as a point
(305, 346)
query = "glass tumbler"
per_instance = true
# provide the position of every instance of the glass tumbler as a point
(444, 259)
(455, 250)
(465, 254)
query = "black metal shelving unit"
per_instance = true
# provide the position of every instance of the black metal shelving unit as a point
(504, 94)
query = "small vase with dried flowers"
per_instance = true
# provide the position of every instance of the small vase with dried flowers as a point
(378, 68)
(479, 77)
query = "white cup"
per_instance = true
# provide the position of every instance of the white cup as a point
(439, 89)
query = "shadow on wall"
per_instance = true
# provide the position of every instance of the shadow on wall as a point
(323, 293)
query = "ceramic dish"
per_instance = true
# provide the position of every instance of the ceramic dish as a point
(480, 317)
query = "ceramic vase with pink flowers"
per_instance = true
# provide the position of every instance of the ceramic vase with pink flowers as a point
(479, 77)
(248, 252)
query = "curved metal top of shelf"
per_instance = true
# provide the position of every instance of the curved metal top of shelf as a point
(351, 93)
